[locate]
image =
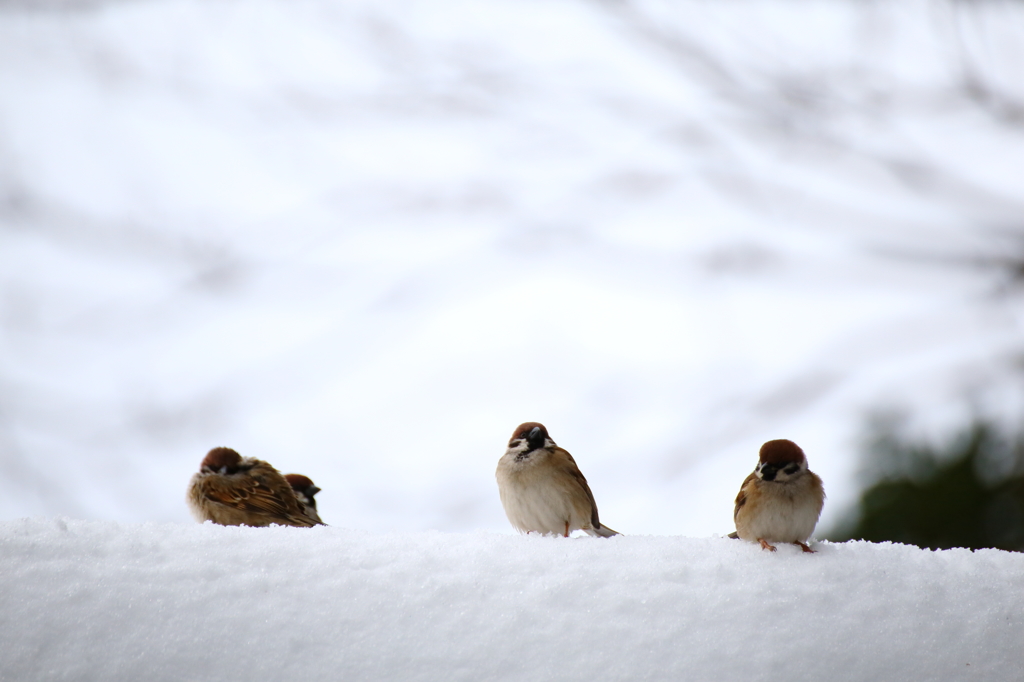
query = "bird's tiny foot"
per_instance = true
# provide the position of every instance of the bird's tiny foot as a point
(765, 545)
(566, 530)
(804, 547)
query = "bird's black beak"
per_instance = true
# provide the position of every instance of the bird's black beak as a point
(313, 490)
(535, 438)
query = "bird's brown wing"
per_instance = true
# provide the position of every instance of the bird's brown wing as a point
(741, 498)
(567, 464)
(263, 492)
(281, 491)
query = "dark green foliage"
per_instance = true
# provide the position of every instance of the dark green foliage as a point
(968, 493)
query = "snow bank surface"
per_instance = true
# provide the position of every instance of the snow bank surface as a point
(89, 600)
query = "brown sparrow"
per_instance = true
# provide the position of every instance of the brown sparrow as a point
(304, 491)
(781, 501)
(234, 491)
(542, 489)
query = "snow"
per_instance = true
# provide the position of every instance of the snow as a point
(364, 240)
(101, 600)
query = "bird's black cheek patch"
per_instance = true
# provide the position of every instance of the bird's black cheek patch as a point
(792, 469)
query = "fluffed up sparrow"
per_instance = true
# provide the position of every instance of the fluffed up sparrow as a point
(234, 491)
(542, 489)
(304, 491)
(781, 501)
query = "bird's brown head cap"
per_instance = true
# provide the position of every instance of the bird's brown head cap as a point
(221, 458)
(533, 432)
(781, 451)
(302, 484)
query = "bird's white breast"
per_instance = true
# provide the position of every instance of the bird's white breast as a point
(536, 495)
(782, 512)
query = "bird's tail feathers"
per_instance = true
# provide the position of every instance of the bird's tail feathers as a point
(603, 532)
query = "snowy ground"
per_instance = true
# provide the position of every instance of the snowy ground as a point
(102, 601)
(364, 240)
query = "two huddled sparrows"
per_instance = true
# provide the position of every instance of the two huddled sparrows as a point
(232, 490)
(542, 489)
(781, 501)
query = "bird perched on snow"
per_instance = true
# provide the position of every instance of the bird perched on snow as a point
(781, 501)
(542, 489)
(304, 491)
(234, 491)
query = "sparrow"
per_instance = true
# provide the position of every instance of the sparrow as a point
(542, 489)
(781, 501)
(304, 491)
(234, 491)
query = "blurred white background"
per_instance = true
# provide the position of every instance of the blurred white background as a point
(364, 240)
